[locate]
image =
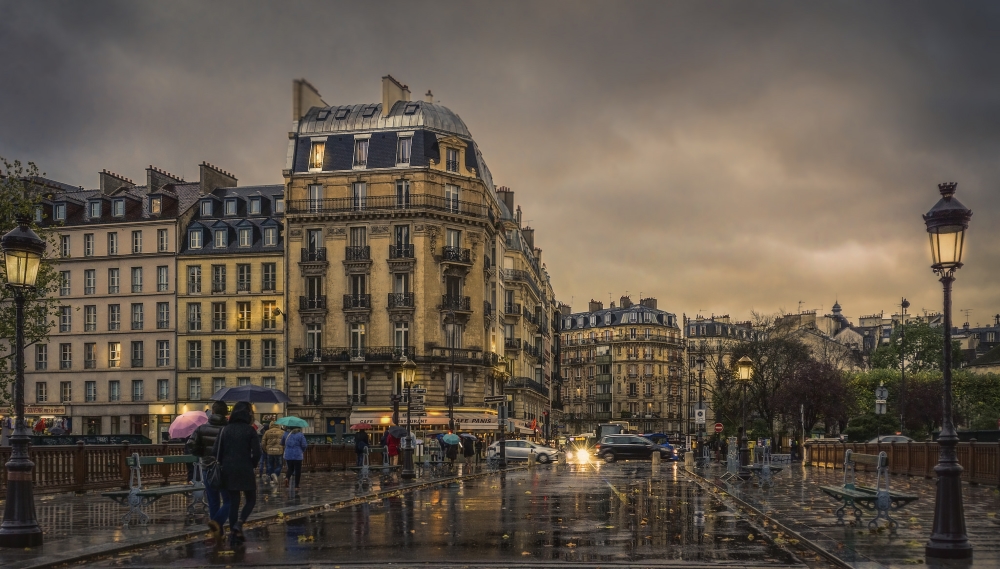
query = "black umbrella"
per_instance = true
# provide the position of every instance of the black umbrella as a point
(397, 432)
(250, 394)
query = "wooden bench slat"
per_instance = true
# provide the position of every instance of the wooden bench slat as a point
(154, 460)
(866, 459)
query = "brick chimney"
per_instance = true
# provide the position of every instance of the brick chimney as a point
(156, 179)
(429, 97)
(565, 310)
(304, 97)
(111, 182)
(626, 302)
(506, 195)
(529, 236)
(211, 177)
(392, 91)
(595, 305)
(648, 302)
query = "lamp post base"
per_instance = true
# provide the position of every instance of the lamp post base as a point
(19, 527)
(407, 472)
(949, 539)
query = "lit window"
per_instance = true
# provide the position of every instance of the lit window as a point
(155, 204)
(403, 149)
(194, 239)
(60, 212)
(254, 206)
(245, 234)
(316, 155)
(270, 236)
(206, 208)
(118, 208)
(361, 153)
(220, 238)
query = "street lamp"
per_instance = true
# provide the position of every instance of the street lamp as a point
(409, 370)
(700, 360)
(23, 251)
(744, 372)
(904, 304)
(946, 225)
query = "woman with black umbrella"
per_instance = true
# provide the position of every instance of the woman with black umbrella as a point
(238, 449)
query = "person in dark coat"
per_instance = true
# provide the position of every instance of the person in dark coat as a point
(360, 444)
(238, 449)
(468, 449)
(201, 444)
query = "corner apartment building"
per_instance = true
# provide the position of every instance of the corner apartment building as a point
(108, 365)
(711, 339)
(231, 296)
(392, 243)
(622, 363)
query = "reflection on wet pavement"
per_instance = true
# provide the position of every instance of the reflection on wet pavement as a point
(578, 514)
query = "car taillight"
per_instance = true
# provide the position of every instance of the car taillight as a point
(597, 446)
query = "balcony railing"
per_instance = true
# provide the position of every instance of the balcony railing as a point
(358, 253)
(357, 302)
(268, 286)
(89, 364)
(312, 302)
(527, 383)
(137, 324)
(137, 288)
(451, 165)
(370, 354)
(66, 364)
(401, 251)
(194, 325)
(243, 286)
(313, 399)
(454, 400)
(416, 201)
(317, 255)
(357, 399)
(114, 325)
(472, 356)
(512, 309)
(456, 255)
(162, 324)
(219, 324)
(400, 300)
(218, 286)
(512, 343)
(458, 303)
(136, 362)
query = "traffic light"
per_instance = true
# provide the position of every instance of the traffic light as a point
(395, 409)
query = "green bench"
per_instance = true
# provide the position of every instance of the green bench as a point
(137, 497)
(878, 498)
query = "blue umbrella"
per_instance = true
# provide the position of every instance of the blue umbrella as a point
(451, 439)
(251, 394)
(292, 422)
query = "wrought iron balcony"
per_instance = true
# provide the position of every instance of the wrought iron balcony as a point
(218, 286)
(358, 253)
(66, 364)
(527, 383)
(137, 324)
(89, 364)
(401, 251)
(136, 362)
(348, 205)
(357, 302)
(400, 300)
(194, 325)
(162, 324)
(456, 255)
(268, 286)
(317, 255)
(313, 399)
(487, 309)
(370, 354)
(243, 286)
(512, 309)
(451, 165)
(512, 343)
(455, 400)
(456, 303)
(312, 302)
(472, 356)
(356, 399)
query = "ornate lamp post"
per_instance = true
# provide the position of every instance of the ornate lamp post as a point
(744, 373)
(904, 304)
(700, 360)
(23, 251)
(946, 224)
(409, 373)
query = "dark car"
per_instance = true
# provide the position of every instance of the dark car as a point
(626, 447)
(664, 442)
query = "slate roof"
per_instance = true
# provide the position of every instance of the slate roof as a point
(185, 194)
(618, 314)
(992, 357)
(232, 223)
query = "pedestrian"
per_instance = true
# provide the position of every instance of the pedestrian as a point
(451, 451)
(468, 449)
(795, 450)
(274, 451)
(238, 449)
(434, 448)
(201, 443)
(479, 448)
(295, 450)
(361, 445)
(392, 449)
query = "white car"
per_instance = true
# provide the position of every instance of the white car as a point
(519, 450)
(891, 439)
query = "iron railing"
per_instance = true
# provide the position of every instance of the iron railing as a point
(313, 255)
(369, 353)
(349, 205)
(401, 251)
(400, 300)
(459, 303)
(357, 302)
(218, 286)
(512, 343)
(527, 383)
(456, 255)
(358, 253)
(312, 302)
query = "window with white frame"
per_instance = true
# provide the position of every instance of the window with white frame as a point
(270, 236)
(404, 146)
(64, 246)
(136, 279)
(451, 160)
(162, 240)
(269, 382)
(194, 239)
(112, 243)
(114, 391)
(94, 209)
(401, 335)
(246, 234)
(206, 208)
(254, 206)
(162, 278)
(220, 238)
(269, 353)
(451, 197)
(88, 244)
(155, 205)
(231, 206)
(358, 385)
(360, 153)
(316, 153)
(118, 207)
(359, 195)
(194, 388)
(90, 318)
(64, 283)
(59, 212)
(137, 242)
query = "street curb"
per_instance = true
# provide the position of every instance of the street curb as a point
(254, 521)
(810, 544)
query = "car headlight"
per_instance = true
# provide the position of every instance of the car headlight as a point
(582, 455)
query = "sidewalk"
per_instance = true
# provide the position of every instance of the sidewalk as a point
(86, 525)
(797, 502)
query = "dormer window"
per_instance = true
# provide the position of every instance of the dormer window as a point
(593, 320)
(118, 208)
(94, 209)
(451, 162)
(322, 115)
(341, 114)
(231, 206)
(270, 236)
(607, 319)
(60, 212)
(206, 208)
(403, 149)
(316, 152)
(279, 205)
(220, 238)
(361, 153)
(245, 237)
(254, 206)
(194, 239)
(155, 205)
(38, 214)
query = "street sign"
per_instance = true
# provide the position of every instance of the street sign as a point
(418, 390)
(699, 416)
(881, 393)
(497, 398)
(419, 413)
(880, 407)
(417, 408)
(718, 427)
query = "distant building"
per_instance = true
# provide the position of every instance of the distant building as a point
(711, 339)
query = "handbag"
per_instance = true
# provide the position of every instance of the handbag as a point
(213, 474)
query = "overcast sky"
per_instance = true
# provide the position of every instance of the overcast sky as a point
(722, 157)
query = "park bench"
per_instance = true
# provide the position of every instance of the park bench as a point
(364, 471)
(878, 498)
(138, 497)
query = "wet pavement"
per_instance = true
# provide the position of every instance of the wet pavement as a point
(578, 515)
(797, 502)
(87, 524)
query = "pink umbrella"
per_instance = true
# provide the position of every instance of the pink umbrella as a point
(186, 423)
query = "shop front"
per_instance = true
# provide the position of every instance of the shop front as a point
(40, 419)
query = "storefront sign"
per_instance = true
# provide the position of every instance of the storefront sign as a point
(42, 410)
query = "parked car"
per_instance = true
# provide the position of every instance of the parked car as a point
(614, 447)
(519, 450)
(891, 439)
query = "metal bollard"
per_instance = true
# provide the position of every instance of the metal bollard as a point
(689, 459)
(531, 458)
(562, 459)
(656, 458)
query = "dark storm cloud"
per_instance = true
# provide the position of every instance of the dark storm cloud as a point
(719, 156)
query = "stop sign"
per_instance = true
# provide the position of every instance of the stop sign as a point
(718, 427)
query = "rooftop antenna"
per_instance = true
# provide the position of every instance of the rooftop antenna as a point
(801, 302)
(966, 311)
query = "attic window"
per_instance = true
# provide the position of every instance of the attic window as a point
(38, 214)
(254, 206)
(341, 114)
(60, 212)
(410, 108)
(206, 208)
(94, 209)
(231, 207)
(316, 155)
(118, 208)
(369, 111)
(155, 204)
(322, 116)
